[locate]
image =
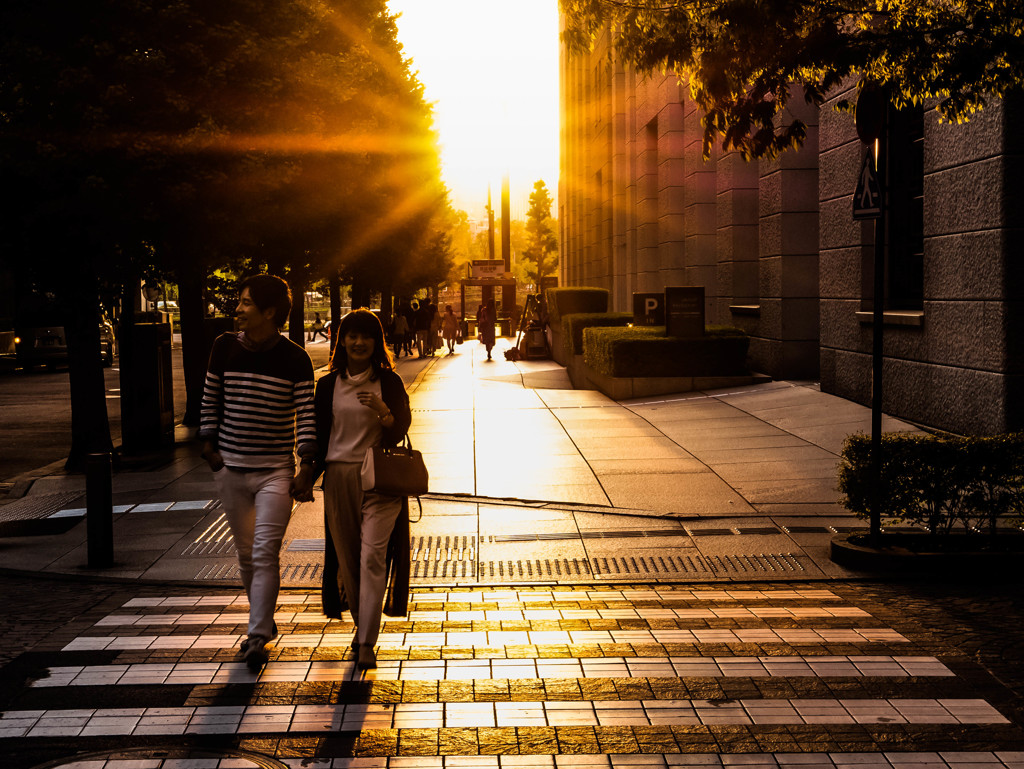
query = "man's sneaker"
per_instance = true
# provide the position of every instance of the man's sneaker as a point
(245, 644)
(255, 653)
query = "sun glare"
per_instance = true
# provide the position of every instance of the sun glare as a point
(491, 69)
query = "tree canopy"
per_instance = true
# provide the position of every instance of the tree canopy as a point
(540, 257)
(743, 58)
(181, 137)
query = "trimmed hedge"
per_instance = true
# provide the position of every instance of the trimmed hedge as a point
(570, 301)
(573, 326)
(938, 482)
(645, 351)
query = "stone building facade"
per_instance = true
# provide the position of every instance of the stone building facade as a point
(776, 248)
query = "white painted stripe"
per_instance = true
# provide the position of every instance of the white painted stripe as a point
(261, 719)
(518, 597)
(495, 615)
(894, 760)
(918, 760)
(502, 669)
(499, 638)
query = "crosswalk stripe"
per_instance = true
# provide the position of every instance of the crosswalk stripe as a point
(498, 615)
(497, 669)
(860, 760)
(246, 719)
(498, 638)
(517, 596)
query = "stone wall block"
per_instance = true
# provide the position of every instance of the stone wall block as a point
(840, 167)
(838, 326)
(837, 227)
(770, 235)
(949, 145)
(800, 320)
(770, 276)
(964, 199)
(968, 266)
(839, 273)
(800, 233)
(800, 275)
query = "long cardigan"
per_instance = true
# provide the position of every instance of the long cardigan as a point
(396, 603)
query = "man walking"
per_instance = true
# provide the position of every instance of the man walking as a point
(257, 405)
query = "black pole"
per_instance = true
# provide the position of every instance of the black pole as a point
(506, 225)
(99, 510)
(877, 338)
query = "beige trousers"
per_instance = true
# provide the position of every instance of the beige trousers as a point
(360, 524)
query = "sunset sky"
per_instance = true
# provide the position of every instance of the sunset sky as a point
(491, 69)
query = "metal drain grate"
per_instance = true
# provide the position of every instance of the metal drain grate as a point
(294, 572)
(444, 547)
(302, 572)
(617, 567)
(215, 540)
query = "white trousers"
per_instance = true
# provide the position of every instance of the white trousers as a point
(258, 505)
(360, 524)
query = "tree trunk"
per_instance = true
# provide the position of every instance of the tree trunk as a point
(195, 344)
(360, 294)
(90, 425)
(298, 282)
(334, 294)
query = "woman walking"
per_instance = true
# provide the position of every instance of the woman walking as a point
(485, 325)
(449, 328)
(359, 404)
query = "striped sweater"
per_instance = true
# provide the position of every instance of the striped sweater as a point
(257, 404)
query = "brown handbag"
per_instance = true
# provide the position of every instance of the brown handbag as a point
(394, 472)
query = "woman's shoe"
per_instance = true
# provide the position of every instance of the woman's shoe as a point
(367, 657)
(255, 653)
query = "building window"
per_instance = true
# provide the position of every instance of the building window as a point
(905, 215)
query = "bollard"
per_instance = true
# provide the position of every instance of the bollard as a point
(99, 510)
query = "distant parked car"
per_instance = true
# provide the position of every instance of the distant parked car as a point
(38, 343)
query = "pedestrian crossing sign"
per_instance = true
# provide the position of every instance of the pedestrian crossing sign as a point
(867, 200)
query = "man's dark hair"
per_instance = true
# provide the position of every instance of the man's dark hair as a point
(269, 291)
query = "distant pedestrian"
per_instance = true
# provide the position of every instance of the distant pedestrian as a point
(317, 329)
(257, 405)
(409, 312)
(449, 328)
(435, 328)
(361, 403)
(485, 326)
(423, 317)
(400, 334)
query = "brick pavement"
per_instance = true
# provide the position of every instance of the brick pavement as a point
(531, 676)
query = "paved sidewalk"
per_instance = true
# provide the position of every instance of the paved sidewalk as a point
(531, 481)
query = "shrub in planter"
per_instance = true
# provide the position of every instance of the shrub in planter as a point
(939, 483)
(569, 301)
(573, 326)
(647, 352)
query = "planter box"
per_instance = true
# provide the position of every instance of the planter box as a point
(624, 388)
(555, 344)
(968, 556)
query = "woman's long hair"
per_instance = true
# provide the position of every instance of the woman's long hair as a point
(368, 324)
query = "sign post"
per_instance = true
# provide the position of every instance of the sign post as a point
(869, 203)
(648, 309)
(684, 311)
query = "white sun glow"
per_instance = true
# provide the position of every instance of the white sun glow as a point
(491, 69)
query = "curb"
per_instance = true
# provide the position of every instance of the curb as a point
(899, 560)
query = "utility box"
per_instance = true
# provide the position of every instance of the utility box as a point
(147, 389)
